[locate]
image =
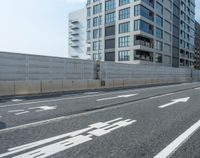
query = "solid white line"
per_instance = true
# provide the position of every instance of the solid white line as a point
(178, 142)
(33, 124)
(90, 93)
(55, 100)
(16, 100)
(15, 111)
(116, 97)
(21, 113)
(198, 88)
(161, 96)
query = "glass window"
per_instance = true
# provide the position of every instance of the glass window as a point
(88, 2)
(123, 2)
(143, 26)
(88, 35)
(110, 17)
(97, 56)
(97, 21)
(141, 10)
(158, 58)
(97, 46)
(159, 33)
(97, 33)
(88, 23)
(159, 8)
(124, 41)
(159, 20)
(88, 11)
(124, 27)
(124, 13)
(110, 30)
(110, 4)
(158, 45)
(124, 55)
(97, 9)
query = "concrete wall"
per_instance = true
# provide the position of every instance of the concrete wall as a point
(29, 74)
(111, 70)
(195, 75)
(32, 67)
(45, 86)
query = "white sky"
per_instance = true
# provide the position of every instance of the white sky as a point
(39, 26)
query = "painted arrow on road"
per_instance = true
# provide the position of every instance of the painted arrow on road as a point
(175, 101)
(120, 96)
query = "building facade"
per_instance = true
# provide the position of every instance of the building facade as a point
(197, 46)
(142, 31)
(77, 35)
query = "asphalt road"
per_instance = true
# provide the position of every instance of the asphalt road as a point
(148, 122)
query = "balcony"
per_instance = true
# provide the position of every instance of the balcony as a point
(74, 39)
(74, 45)
(74, 21)
(143, 43)
(74, 33)
(74, 27)
(143, 55)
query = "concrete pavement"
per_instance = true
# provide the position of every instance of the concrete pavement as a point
(126, 123)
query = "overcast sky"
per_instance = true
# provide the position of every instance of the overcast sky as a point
(39, 26)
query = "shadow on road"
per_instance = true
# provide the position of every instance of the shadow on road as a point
(2, 125)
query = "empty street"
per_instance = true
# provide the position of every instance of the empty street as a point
(161, 121)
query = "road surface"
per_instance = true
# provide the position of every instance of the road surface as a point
(158, 122)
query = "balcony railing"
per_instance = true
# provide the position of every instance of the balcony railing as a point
(143, 43)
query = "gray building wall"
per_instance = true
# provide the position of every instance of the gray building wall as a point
(173, 16)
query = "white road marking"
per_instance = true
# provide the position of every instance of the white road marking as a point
(21, 113)
(69, 140)
(16, 100)
(178, 142)
(36, 123)
(120, 96)
(55, 100)
(90, 96)
(0, 116)
(197, 88)
(62, 118)
(161, 96)
(20, 110)
(175, 101)
(90, 93)
(43, 108)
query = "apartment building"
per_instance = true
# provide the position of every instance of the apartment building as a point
(77, 35)
(157, 32)
(197, 46)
